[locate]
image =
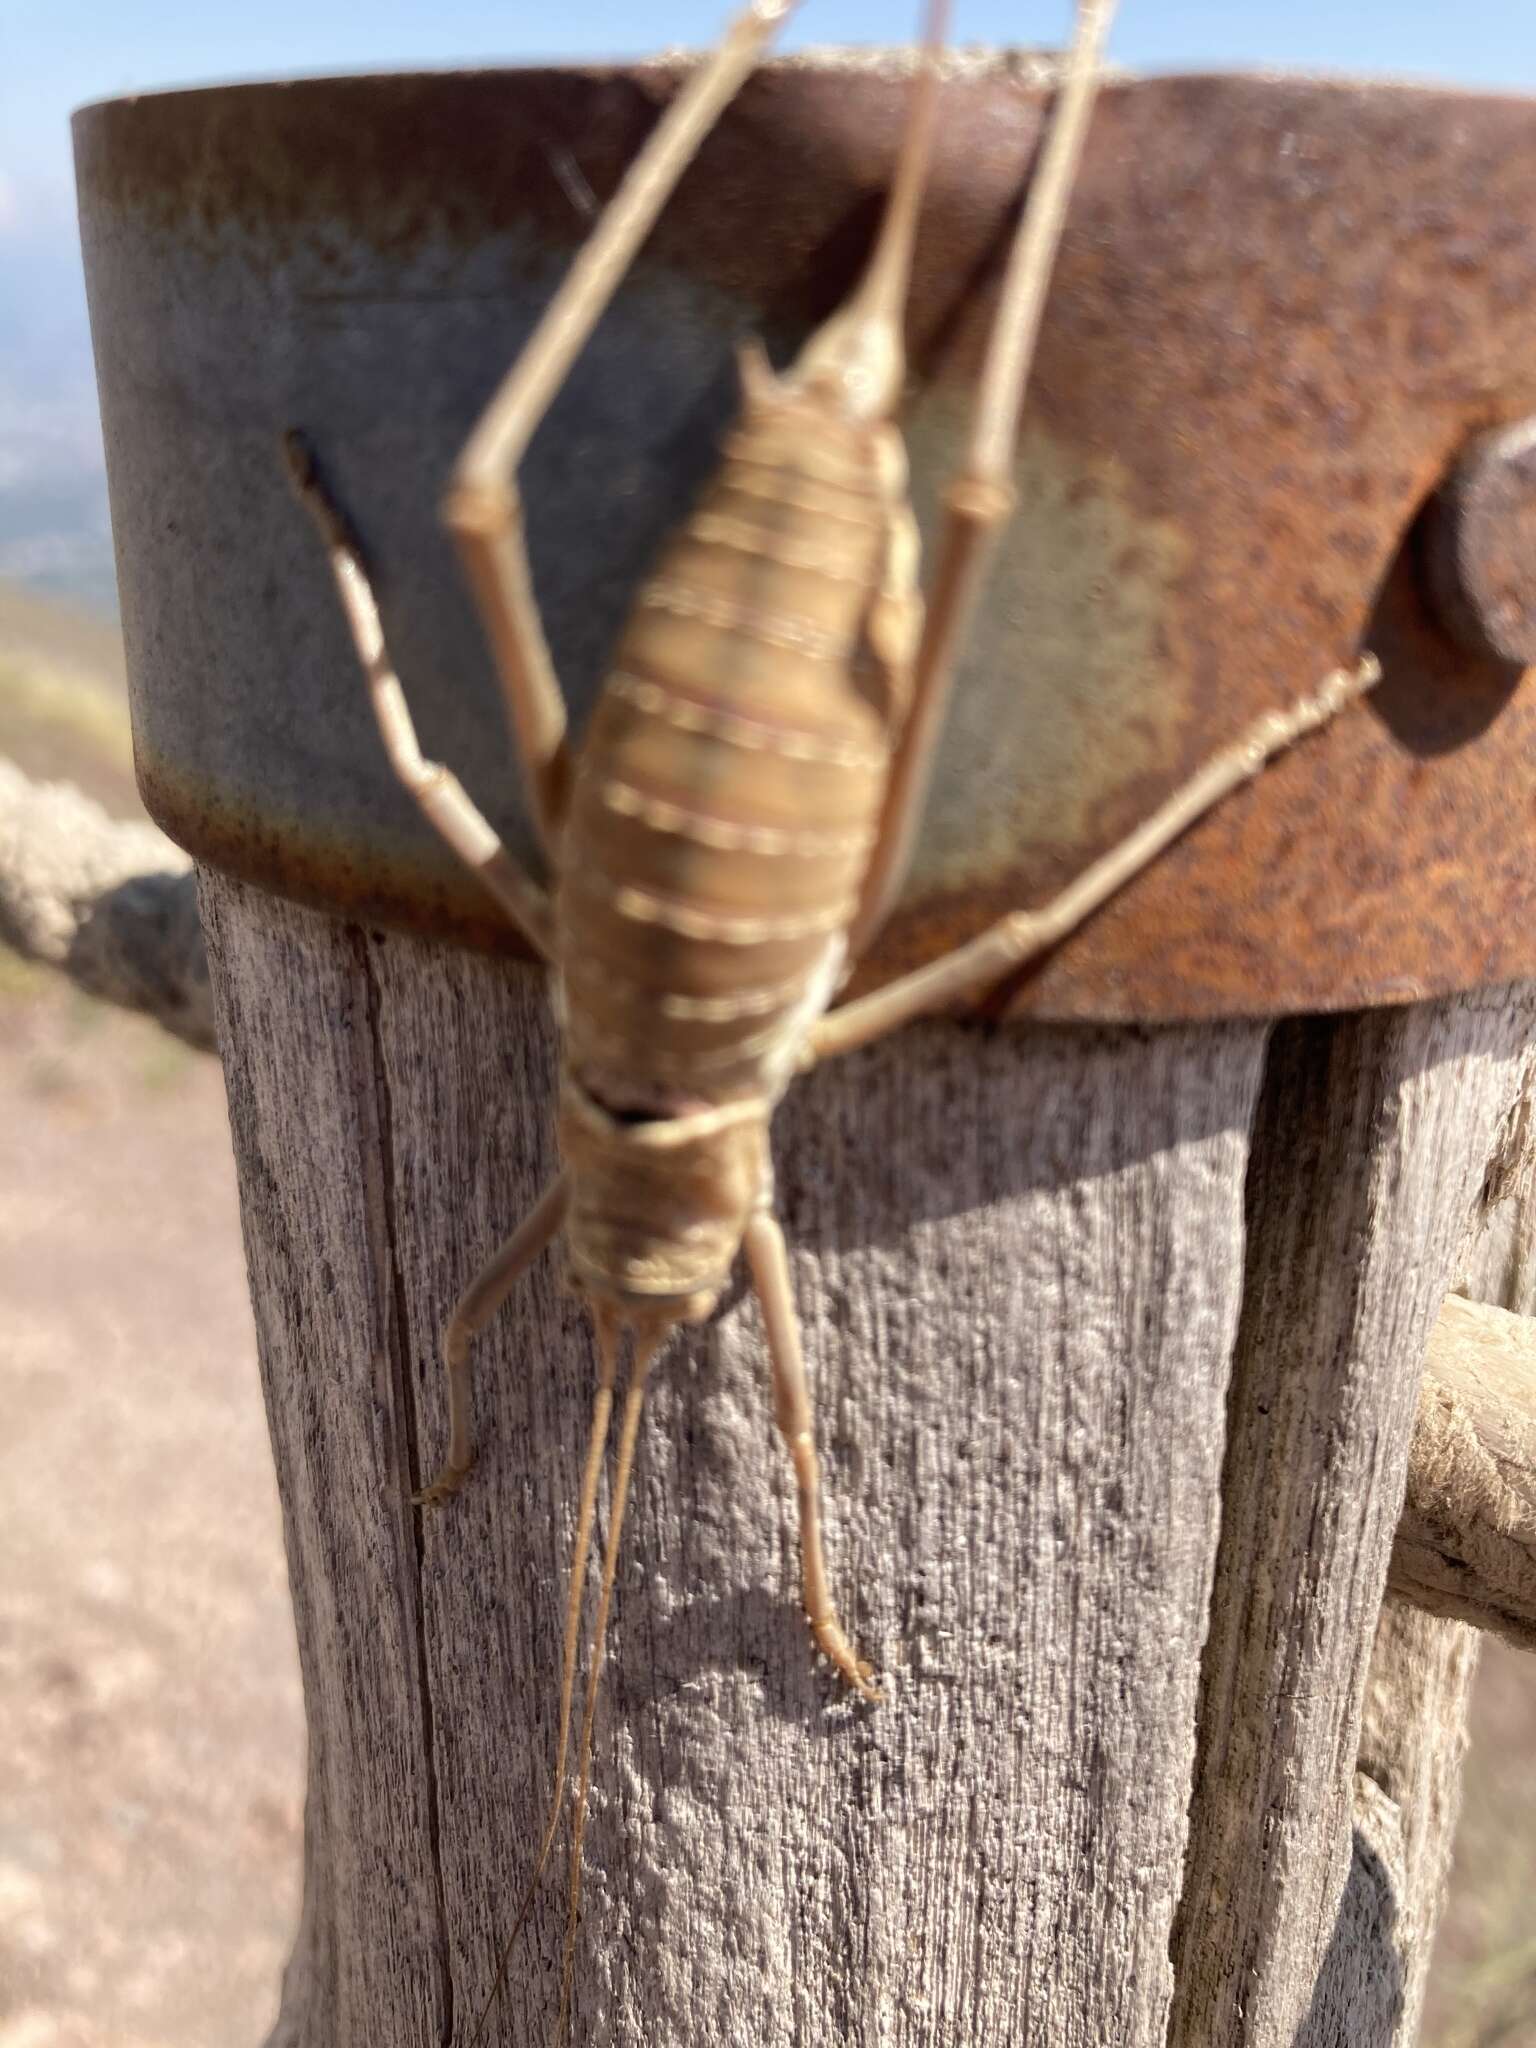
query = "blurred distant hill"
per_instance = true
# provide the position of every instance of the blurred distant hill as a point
(63, 701)
(54, 532)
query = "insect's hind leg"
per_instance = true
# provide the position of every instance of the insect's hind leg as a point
(764, 1246)
(970, 970)
(473, 1310)
(483, 507)
(441, 796)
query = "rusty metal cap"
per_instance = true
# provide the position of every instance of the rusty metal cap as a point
(1283, 310)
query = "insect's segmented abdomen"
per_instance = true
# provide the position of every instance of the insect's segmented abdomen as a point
(730, 784)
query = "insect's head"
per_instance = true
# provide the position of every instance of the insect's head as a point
(659, 1205)
(855, 362)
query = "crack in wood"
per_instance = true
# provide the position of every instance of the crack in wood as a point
(395, 1347)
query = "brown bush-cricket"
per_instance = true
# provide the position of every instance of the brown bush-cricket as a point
(733, 829)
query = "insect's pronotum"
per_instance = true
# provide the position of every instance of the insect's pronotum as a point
(734, 827)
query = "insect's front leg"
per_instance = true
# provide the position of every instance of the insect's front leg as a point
(483, 507)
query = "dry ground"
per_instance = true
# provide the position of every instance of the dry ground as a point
(150, 1783)
(150, 1777)
(151, 1774)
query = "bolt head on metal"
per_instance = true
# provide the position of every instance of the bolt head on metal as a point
(1482, 546)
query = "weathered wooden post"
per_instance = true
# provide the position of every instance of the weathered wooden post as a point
(1117, 1303)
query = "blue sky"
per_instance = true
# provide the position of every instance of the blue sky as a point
(54, 54)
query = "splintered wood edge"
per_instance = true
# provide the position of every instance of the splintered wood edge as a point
(1466, 1543)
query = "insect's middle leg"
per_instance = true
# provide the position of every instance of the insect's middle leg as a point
(764, 1246)
(473, 1310)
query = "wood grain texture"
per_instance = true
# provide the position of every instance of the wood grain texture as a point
(297, 1009)
(1373, 1141)
(1018, 1258)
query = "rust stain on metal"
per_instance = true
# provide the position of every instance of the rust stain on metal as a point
(1081, 633)
(1283, 311)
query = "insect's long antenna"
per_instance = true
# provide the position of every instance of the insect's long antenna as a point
(860, 347)
(647, 1344)
(597, 1442)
